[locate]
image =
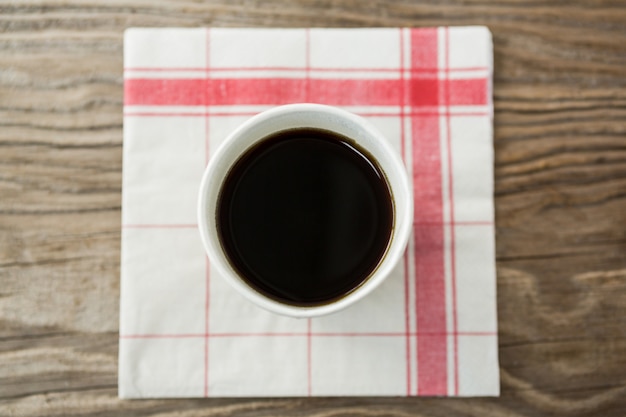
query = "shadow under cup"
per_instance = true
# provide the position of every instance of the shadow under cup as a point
(311, 212)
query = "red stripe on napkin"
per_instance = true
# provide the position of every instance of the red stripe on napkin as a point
(277, 91)
(429, 241)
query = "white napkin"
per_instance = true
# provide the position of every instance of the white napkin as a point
(430, 329)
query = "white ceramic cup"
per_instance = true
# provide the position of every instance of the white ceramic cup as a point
(302, 116)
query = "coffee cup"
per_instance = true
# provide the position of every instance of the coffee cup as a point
(305, 209)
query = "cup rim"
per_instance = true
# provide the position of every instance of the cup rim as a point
(400, 235)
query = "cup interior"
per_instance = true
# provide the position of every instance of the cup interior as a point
(309, 116)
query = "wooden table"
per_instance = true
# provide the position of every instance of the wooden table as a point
(560, 138)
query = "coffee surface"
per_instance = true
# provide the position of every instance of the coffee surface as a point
(305, 216)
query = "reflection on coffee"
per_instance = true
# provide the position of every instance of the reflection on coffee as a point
(305, 216)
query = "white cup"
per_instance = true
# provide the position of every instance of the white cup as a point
(305, 116)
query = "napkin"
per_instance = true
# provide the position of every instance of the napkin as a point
(430, 329)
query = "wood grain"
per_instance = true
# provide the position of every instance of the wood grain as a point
(560, 137)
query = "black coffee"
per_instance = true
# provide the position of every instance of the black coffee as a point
(305, 216)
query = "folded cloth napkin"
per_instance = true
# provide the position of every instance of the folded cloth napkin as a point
(430, 329)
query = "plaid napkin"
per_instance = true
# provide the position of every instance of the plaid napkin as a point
(430, 329)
